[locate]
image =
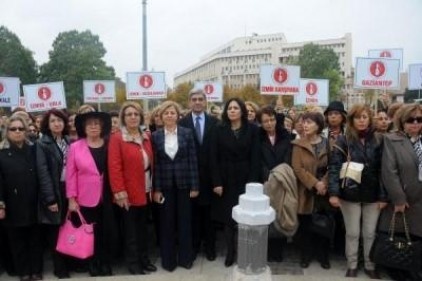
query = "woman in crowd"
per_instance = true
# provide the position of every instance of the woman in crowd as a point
(253, 111)
(18, 199)
(402, 173)
(360, 203)
(115, 124)
(335, 117)
(235, 147)
(288, 124)
(175, 183)
(298, 127)
(130, 152)
(33, 132)
(86, 182)
(382, 123)
(155, 121)
(276, 149)
(309, 162)
(52, 151)
(73, 135)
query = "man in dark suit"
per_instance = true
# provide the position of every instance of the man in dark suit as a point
(201, 124)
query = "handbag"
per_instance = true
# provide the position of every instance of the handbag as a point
(349, 169)
(74, 241)
(323, 224)
(394, 251)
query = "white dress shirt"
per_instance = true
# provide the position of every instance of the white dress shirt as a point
(170, 143)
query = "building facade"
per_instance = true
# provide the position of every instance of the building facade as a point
(237, 63)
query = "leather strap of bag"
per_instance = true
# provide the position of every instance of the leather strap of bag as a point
(347, 157)
(81, 218)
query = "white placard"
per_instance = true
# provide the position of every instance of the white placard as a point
(389, 53)
(99, 91)
(377, 73)
(9, 91)
(415, 77)
(21, 104)
(313, 91)
(44, 96)
(280, 79)
(213, 90)
(145, 85)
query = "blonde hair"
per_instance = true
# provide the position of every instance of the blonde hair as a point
(13, 118)
(167, 104)
(404, 113)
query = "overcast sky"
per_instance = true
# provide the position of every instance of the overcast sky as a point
(180, 32)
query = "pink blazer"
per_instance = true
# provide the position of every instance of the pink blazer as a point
(83, 180)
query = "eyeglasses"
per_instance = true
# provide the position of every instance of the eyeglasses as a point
(197, 99)
(14, 129)
(413, 119)
(132, 114)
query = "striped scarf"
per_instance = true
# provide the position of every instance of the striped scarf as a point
(417, 146)
(64, 147)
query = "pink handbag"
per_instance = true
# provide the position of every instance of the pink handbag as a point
(74, 241)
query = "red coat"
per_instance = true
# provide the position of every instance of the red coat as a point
(126, 167)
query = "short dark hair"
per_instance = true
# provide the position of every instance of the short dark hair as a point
(317, 117)
(268, 110)
(45, 129)
(241, 103)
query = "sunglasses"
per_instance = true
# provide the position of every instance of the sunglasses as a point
(14, 129)
(413, 119)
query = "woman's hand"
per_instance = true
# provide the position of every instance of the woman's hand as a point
(321, 188)
(53, 208)
(335, 201)
(73, 205)
(158, 197)
(382, 205)
(400, 208)
(2, 214)
(123, 203)
(218, 190)
(193, 193)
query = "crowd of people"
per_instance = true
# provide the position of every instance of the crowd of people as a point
(182, 173)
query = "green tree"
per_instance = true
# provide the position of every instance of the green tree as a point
(15, 59)
(320, 63)
(76, 56)
(181, 94)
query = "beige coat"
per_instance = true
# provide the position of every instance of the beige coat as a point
(399, 173)
(305, 163)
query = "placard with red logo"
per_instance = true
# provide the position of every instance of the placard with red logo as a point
(21, 104)
(390, 53)
(377, 73)
(99, 91)
(212, 90)
(44, 96)
(313, 91)
(145, 85)
(415, 76)
(9, 91)
(280, 79)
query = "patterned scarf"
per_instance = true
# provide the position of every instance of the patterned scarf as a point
(64, 147)
(417, 146)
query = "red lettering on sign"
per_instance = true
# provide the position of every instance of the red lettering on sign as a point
(382, 83)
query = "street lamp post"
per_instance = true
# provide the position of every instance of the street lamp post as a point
(144, 45)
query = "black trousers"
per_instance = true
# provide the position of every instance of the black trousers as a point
(26, 248)
(175, 223)
(135, 235)
(60, 261)
(202, 227)
(311, 244)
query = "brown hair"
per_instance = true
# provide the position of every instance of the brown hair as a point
(135, 106)
(404, 113)
(355, 111)
(167, 104)
(317, 117)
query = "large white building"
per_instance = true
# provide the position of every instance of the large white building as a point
(237, 62)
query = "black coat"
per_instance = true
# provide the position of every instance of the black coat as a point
(19, 184)
(203, 155)
(235, 161)
(273, 155)
(370, 189)
(49, 168)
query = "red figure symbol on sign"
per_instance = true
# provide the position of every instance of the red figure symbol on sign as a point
(44, 93)
(311, 88)
(377, 69)
(146, 81)
(1, 88)
(385, 54)
(209, 89)
(280, 75)
(99, 88)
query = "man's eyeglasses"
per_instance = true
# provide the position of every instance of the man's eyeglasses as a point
(15, 129)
